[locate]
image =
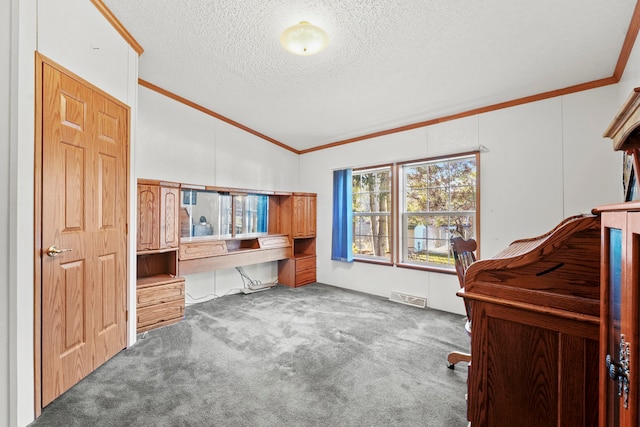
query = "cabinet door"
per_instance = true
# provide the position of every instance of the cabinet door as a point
(169, 217)
(304, 216)
(619, 328)
(299, 215)
(148, 217)
(311, 215)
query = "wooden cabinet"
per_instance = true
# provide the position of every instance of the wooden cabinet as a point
(158, 224)
(159, 301)
(159, 291)
(304, 215)
(619, 331)
(297, 271)
(299, 216)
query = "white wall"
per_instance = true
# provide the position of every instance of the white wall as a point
(178, 143)
(7, 104)
(74, 34)
(543, 161)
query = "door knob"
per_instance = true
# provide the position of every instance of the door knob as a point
(54, 251)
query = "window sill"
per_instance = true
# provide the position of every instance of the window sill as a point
(373, 261)
(432, 269)
(427, 268)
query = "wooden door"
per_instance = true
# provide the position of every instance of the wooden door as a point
(619, 328)
(84, 209)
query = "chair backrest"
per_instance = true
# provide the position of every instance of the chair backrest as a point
(464, 255)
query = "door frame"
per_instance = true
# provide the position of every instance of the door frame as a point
(40, 60)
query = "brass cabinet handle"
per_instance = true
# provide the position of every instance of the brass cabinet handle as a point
(54, 251)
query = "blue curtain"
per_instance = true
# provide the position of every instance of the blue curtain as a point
(342, 236)
(263, 203)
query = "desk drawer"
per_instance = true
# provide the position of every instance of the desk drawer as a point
(274, 241)
(159, 315)
(305, 277)
(306, 263)
(202, 249)
(160, 294)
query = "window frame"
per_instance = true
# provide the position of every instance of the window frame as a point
(397, 215)
(373, 259)
(402, 243)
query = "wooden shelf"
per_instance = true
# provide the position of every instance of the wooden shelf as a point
(151, 263)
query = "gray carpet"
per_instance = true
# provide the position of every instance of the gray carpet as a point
(311, 356)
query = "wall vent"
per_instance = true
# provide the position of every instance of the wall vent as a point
(408, 299)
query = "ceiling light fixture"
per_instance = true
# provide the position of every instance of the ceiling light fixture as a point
(304, 39)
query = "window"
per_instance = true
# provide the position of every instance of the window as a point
(439, 200)
(423, 202)
(220, 214)
(372, 213)
(250, 214)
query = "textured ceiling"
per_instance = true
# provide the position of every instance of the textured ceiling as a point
(389, 63)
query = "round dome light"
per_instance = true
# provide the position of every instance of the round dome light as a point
(304, 39)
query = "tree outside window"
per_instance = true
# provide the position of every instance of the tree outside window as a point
(372, 213)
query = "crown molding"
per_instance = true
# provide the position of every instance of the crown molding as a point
(525, 100)
(629, 41)
(106, 12)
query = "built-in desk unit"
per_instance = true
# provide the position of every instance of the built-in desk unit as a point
(185, 229)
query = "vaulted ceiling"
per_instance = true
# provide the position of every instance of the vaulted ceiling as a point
(389, 63)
